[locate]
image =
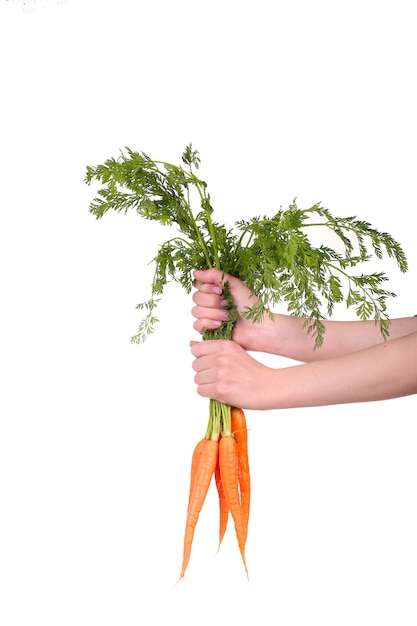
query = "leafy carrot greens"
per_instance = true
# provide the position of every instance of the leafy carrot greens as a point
(272, 255)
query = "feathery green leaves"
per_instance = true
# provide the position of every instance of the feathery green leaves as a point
(272, 255)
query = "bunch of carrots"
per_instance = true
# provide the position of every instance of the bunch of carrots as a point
(224, 455)
(278, 263)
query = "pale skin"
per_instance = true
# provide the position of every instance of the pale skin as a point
(355, 363)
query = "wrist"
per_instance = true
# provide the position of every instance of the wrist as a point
(261, 336)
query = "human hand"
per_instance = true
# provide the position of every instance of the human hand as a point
(210, 311)
(227, 373)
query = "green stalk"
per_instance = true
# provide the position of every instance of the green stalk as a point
(204, 201)
(187, 206)
(240, 242)
(219, 423)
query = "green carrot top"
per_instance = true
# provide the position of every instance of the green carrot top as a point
(272, 255)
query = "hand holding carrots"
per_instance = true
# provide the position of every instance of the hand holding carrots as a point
(209, 309)
(226, 372)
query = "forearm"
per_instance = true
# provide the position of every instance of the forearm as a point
(386, 370)
(285, 336)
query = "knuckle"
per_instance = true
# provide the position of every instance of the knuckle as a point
(221, 389)
(221, 374)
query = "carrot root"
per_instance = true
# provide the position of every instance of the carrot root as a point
(223, 506)
(203, 466)
(229, 470)
(240, 432)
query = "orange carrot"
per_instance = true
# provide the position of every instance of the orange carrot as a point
(194, 464)
(203, 466)
(223, 506)
(229, 470)
(240, 432)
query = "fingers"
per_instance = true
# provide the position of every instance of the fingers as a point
(208, 319)
(210, 365)
(209, 356)
(207, 287)
(212, 276)
(202, 324)
(210, 306)
(206, 298)
(208, 347)
(209, 310)
(224, 371)
(212, 313)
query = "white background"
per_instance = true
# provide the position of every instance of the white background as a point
(314, 100)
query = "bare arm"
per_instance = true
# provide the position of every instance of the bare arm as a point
(226, 372)
(288, 338)
(285, 336)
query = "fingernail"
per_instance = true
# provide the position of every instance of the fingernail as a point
(217, 289)
(216, 323)
(224, 303)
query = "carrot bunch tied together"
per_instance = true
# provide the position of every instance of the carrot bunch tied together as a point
(222, 454)
(273, 256)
